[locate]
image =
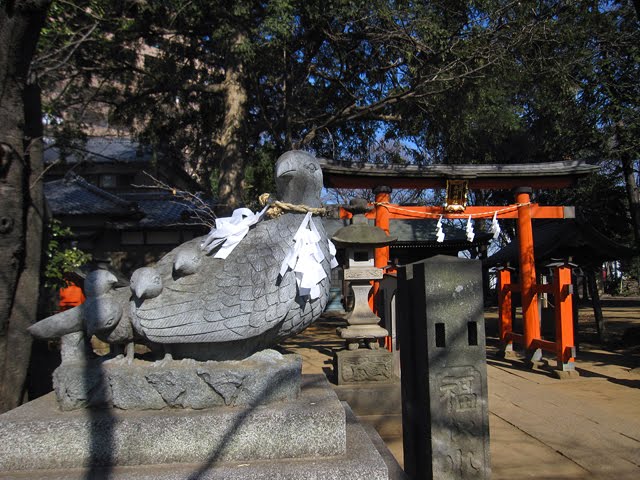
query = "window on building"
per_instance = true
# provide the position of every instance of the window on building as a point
(108, 181)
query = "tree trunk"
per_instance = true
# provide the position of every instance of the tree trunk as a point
(633, 195)
(20, 204)
(597, 306)
(232, 139)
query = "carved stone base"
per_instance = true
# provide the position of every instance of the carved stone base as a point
(312, 437)
(363, 366)
(263, 378)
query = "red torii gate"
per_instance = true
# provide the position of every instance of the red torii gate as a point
(521, 179)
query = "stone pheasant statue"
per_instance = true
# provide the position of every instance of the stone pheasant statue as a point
(208, 308)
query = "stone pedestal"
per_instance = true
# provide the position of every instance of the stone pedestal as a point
(368, 333)
(363, 323)
(363, 366)
(444, 373)
(314, 436)
(361, 313)
(265, 377)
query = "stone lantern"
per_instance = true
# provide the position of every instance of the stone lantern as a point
(359, 241)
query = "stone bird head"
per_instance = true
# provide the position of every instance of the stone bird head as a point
(299, 178)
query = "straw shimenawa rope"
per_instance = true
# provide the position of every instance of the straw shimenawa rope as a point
(411, 213)
(278, 208)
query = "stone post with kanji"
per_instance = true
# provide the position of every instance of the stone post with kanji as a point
(444, 373)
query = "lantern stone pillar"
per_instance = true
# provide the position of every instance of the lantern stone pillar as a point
(355, 364)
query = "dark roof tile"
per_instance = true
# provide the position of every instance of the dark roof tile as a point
(101, 150)
(162, 209)
(73, 195)
(563, 239)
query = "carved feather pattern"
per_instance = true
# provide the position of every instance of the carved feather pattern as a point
(233, 299)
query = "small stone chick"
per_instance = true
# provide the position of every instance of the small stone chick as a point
(187, 261)
(104, 315)
(101, 310)
(146, 283)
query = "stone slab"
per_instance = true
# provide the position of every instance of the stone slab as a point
(38, 435)
(367, 331)
(393, 467)
(372, 399)
(364, 366)
(444, 384)
(265, 377)
(361, 461)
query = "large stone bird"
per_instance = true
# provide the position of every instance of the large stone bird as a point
(209, 308)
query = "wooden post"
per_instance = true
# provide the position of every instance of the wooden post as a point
(530, 316)
(563, 296)
(597, 305)
(505, 318)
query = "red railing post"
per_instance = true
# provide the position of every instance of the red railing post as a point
(505, 312)
(563, 296)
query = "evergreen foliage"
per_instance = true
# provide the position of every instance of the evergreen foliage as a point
(61, 259)
(223, 86)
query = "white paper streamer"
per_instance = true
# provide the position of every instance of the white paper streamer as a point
(495, 226)
(332, 252)
(305, 258)
(470, 234)
(439, 231)
(229, 231)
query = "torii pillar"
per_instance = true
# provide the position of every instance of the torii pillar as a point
(530, 315)
(383, 195)
(381, 254)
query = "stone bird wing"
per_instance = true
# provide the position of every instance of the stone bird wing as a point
(233, 299)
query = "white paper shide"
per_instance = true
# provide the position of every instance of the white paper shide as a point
(229, 231)
(305, 258)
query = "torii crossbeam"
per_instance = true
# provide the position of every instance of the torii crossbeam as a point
(521, 179)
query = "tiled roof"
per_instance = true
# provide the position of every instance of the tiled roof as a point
(342, 174)
(162, 209)
(73, 195)
(101, 150)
